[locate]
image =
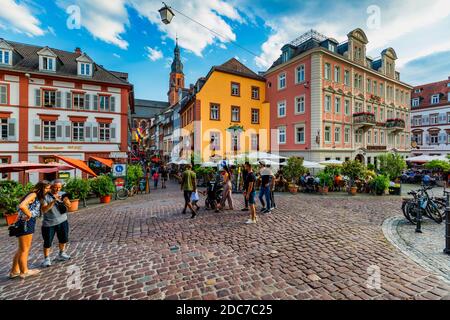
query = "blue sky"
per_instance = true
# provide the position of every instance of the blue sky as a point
(127, 35)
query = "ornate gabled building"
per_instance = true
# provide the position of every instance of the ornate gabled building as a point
(332, 101)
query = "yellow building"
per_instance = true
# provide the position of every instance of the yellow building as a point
(226, 115)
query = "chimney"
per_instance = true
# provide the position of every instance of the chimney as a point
(78, 51)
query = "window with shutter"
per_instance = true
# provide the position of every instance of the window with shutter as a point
(58, 99)
(37, 130)
(68, 128)
(88, 128)
(59, 131)
(113, 104)
(11, 129)
(87, 101)
(37, 97)
(113, 132)
(3, 95)
(68, 100)
(95, 104)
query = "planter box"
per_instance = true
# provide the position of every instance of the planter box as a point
(394, 191)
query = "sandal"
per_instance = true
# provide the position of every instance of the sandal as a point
(14, 275)
(30, 273)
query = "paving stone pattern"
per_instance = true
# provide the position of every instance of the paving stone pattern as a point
(312, 247)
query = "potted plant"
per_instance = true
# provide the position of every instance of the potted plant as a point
(11, 193)
(292, 172)
(380, 184)
(326, 181)
(391, 165)
(354, 170)
(134, 174)
(103, 187)
(77, 189)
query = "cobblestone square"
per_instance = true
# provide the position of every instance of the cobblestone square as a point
(311, 247)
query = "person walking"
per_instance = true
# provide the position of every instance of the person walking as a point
(156, 179)
(245, 186)
(272, 184)
(264, 192)
(55, 221)
(188, 185)
(29, 210)
(227, 189)
(250, 194)
(164, 177)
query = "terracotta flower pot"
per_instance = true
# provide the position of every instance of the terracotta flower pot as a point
(353, 191)
(105, 199)
(11, 218)
(293, 189)
(74, 205)
(325, 190)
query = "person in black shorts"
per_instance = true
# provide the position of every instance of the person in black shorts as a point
(250, 194)
(245, 186)
(164, 177)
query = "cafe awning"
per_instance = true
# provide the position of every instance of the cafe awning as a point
(24, 166)
(57, 167)
(106, 162)
(78, 164)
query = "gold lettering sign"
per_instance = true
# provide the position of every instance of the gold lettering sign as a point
(53, 148)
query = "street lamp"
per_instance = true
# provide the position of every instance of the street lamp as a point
(166, 14)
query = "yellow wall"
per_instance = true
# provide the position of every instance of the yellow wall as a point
(217, 89)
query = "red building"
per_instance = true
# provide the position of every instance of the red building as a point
(58, 102)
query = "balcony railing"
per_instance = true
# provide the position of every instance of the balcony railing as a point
(395, 124)
(364, 119)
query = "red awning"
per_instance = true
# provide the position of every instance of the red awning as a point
(79, 164)
(57, 167)
(24, 166)
(106, 162)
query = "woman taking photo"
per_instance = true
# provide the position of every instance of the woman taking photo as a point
(29, 210)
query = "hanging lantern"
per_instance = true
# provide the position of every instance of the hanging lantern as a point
(166, 14)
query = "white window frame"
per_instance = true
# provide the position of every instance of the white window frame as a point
(280, 130)
(337, 74)
(78, 131)
(300, 101)
(3, 54)
(104, 129)
(347, 107)
(328, 106)
(85, 69)
(214, 109)
(282, 81)
(325, 131)
(347, 80)
(435, 99)
(3, 97)
(300, 126)
(338, 134)
(347, 134)
(4, 128)
(327, 71)
(415, 102)
(300, 74)
(281, 103)
(337, 105)
(51, 126)
(48, 64)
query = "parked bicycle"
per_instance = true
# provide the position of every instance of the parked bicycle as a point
(424, 204)
(125, 192)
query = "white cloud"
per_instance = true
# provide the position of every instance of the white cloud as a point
(402, 23)
(104, 19)
(154, 54)
(19, 18)
(192, 36)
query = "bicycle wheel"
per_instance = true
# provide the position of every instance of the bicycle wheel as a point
(436, 210)
(122, 194)
(410, 211)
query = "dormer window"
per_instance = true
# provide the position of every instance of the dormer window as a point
(5, 57)
(435, 99)
(85, 69)
(85, 65)
(48, 64)
(331, 47)
(285, 56)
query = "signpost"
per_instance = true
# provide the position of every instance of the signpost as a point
(119, 170)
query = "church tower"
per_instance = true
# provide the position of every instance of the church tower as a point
(176, 81)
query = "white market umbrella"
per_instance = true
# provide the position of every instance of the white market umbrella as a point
(312, 165)
(265, 156)
(209, 164)
(182, 161)
(332, 162)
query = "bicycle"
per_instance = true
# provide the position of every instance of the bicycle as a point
(126, 192)
(432, 207)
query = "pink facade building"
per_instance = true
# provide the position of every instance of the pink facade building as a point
(331, 101)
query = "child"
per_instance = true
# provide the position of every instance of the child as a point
(156, 179)
(195, 199)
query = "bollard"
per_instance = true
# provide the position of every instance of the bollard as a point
(419, 217)
(447, 226)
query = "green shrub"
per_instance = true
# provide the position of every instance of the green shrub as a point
(326, 179)
(380, 184)
(334, 170)
(102, 186)
(294, 169)
(77, 188)
(439, 165)
(354, 170)
(134, 174)
(391, 165)
(11, 192)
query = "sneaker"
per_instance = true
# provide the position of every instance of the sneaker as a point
(194, 214)
(250, 221)
(30, 273)
(14, 275)
(262, 210)
(245, 209)
(62, 256)
(47, 262)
